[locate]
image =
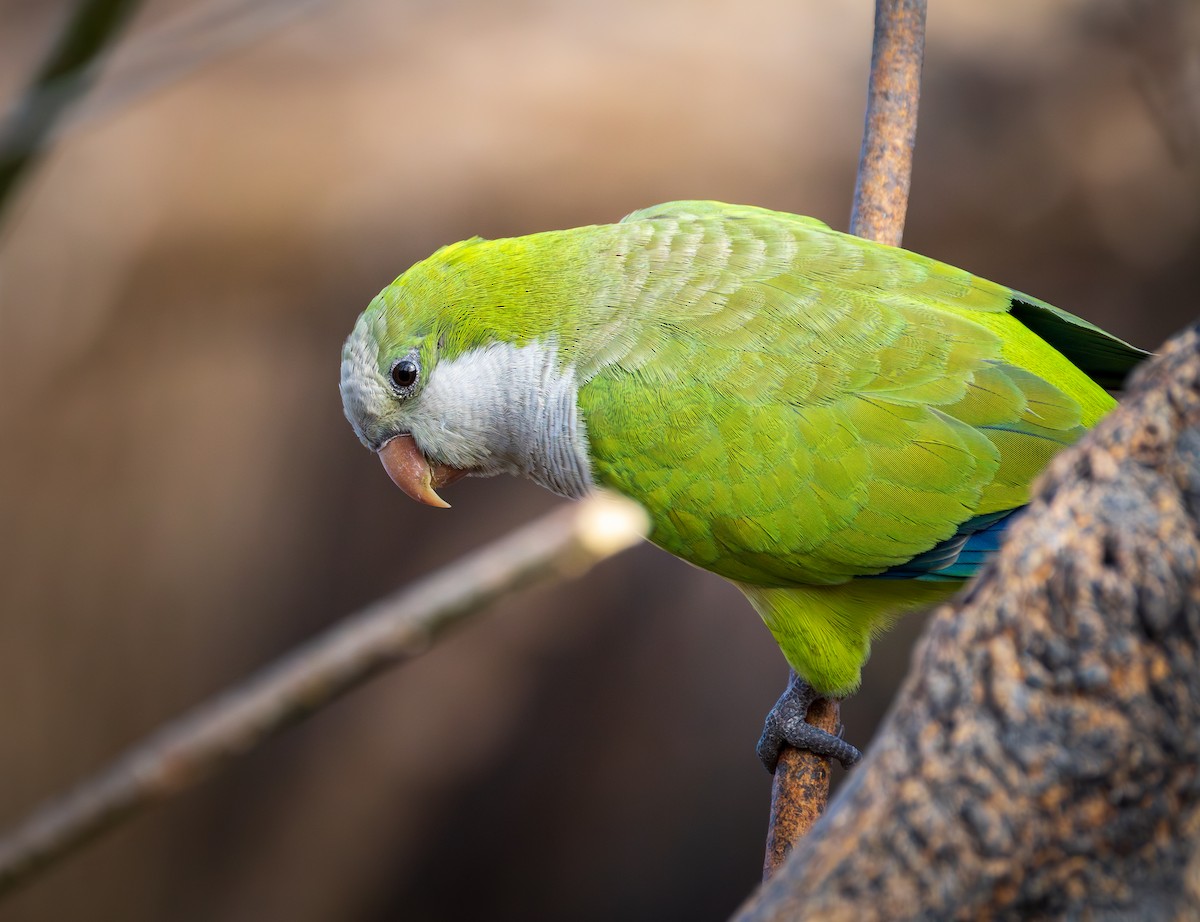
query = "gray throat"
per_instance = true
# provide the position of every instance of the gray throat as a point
(509, 409)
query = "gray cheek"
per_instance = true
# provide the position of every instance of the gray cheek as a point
(365, 402)
(506, 409)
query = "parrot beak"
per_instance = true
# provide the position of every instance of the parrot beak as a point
(412, 472)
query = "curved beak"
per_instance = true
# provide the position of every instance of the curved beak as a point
(411, 471)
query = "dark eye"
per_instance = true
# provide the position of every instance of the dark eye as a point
(404, 374)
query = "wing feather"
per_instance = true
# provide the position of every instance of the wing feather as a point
(802, 407)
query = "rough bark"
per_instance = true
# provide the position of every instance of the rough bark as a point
(1043, 757)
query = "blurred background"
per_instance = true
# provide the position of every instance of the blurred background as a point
(181, 499)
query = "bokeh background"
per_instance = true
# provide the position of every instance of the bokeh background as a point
(181, 499)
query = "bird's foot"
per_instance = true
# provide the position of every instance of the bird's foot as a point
(785, 726)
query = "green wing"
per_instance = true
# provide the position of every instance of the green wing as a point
(802, 407)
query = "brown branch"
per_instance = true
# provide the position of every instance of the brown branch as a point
(890, 132)
(392, 630)
(800, 789)
(1043, 757)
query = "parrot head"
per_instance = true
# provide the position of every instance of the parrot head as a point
(384, 380)
(441, 382)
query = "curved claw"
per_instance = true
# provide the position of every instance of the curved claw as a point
(411, 471)
(785, 726)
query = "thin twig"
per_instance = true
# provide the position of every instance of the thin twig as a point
(800, 790)
(564, 543)
(63, 77)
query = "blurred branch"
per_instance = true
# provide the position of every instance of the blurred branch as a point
(1043, 757)
(800, 788)
(392, 630)
(64, 76)
(195, 37)
(199, 34)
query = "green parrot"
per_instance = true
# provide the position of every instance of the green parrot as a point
(842, 429)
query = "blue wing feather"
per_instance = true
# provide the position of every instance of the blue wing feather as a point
(960, 556)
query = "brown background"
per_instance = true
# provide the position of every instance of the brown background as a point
(181, 499)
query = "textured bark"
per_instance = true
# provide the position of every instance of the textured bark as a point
(1043, 757)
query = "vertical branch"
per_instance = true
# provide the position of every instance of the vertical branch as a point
(890, 132)
(800, 789)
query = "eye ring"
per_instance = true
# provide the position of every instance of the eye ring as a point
(404, 375)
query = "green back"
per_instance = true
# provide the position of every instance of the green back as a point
(801, 407)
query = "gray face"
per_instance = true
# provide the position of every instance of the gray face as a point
(367, 398)
(499, 409)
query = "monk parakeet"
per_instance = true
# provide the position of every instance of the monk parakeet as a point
(842, 429)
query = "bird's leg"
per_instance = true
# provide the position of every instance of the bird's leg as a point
(785, 726)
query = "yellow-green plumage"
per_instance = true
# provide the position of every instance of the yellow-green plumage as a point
(801, 411)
